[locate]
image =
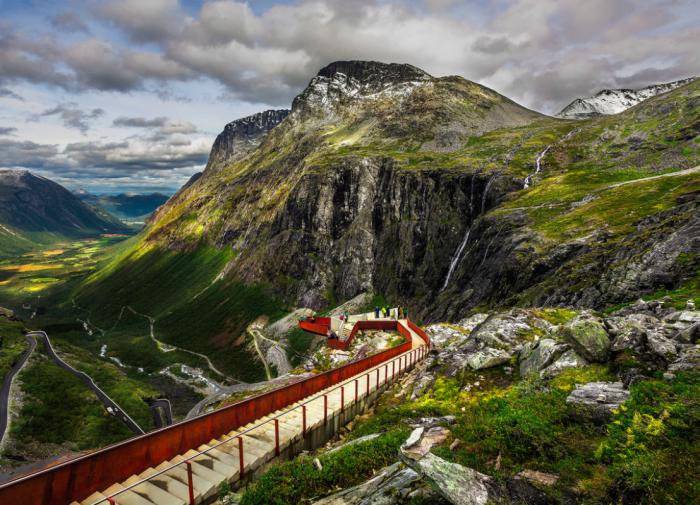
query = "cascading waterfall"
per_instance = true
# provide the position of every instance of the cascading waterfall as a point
(456, 258)
(458, 253)
(486, 192)
(538, 167)
(538, 161)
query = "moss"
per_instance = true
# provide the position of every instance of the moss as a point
(299, 480)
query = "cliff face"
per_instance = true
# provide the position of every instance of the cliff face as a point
(241, 136)
(442, 194)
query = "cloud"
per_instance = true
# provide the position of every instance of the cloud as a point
(7, 130)
(148, 21)
(134, 162)
(8, 93)
(69, 21)
(539, 52)
(72, 116)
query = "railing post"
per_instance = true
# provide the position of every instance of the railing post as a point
(393, 371)
(342, 398)
(111, 500)
(386, 373)
(189, 481)
(325, 409)
(376, 386)
(367, 385)
(240, 457)
(277, 437)
(356, 390)
(303, 421)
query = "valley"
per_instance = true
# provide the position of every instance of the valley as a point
(542, 253)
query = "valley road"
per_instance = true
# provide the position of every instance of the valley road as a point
(7, 385)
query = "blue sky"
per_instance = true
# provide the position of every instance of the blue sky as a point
(118, 95)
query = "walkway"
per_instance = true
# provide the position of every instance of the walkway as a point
(299, 416)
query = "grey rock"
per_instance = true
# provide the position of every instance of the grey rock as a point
(471, 322)
(597, 400)
(390, 486)
(539, 355)
(570, 359)
(460, 485)
(660, 346)
(487, 358)
(689, 359)
(588, 337)
(430, 422)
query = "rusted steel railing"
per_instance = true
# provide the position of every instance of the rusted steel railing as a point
(76, 479)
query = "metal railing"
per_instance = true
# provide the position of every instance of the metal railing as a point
(76, 479)
(409, 359)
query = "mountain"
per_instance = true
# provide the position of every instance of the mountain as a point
(35, 210)
(126, 206)
(435, 192)
(243, 135)
(614, 101)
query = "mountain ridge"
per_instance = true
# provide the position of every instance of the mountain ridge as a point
(614, 101)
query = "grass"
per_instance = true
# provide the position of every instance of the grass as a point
(299, 481)
(58, 408)
(12, 344)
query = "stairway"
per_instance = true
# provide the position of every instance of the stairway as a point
(195, 476)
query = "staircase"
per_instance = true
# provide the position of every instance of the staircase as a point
(165, 476)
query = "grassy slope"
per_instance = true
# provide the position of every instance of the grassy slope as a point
(646, 451)
(12, 344)
(192, 309)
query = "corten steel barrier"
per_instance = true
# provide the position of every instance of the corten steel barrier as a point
(320, 325)
(360, 325)
(76, 479)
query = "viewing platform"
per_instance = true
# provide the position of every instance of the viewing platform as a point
(185, 463)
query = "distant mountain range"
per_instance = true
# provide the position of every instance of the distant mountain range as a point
(614, 101)
(35, 210)
(126, 206)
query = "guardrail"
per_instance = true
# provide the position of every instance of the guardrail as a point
(76, 479)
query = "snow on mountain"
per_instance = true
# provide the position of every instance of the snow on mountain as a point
(614, 101)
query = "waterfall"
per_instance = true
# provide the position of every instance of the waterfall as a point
(486, 192)
(538, 167)
(538, 161)
(456, 258)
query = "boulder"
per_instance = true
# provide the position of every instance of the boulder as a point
(462, 485)
(588, 337)
(542, 478)
(471, 322)
(597, 400)
(662, 347)
(487, 358)
(566, 361)
(390, 486)
(505, 330)
(539, 355)
(422, 440)
(689, 359)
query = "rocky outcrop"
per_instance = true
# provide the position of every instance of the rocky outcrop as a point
(587, 335)
(539, 355)
(597, 400)
(241, 136)
(462, 485)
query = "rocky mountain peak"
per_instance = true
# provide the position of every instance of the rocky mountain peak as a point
(347, 81)
(614, 101)
(376, 72)
(242, 135)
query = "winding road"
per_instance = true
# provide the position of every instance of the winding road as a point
(7, 386)
(109, 404)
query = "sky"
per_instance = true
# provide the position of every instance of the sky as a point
(128, 95)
